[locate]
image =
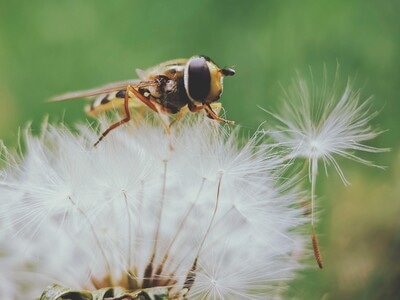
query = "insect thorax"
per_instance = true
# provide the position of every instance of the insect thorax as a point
(170, 93)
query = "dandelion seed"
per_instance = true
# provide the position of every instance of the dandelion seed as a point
(317, 125)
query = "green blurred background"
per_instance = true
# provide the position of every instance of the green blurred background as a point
(49, 47)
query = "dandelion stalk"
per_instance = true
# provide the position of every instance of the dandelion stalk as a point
(179, 229)
(149, 269)
(93, 230)
(190, 278)
(314, 238)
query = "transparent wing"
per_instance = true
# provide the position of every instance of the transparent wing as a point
(109, 88)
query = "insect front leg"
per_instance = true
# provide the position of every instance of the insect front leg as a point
(178, 116)
(119, 123)
(210, 113)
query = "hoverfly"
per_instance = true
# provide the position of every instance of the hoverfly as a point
(172, 87)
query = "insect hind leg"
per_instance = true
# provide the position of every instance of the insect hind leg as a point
(121, 122)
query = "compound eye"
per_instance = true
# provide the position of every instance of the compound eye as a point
(199, 79)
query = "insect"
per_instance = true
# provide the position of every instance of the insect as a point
(172, 87)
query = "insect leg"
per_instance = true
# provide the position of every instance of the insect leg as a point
(142, 98)
(178, 116)
(214, 116)
(152, 106)
(119, 123)
(195, 108)
(210, 113)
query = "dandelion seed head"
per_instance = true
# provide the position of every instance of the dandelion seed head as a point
(134, 213)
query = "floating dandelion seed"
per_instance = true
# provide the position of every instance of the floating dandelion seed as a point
(317, 124)
(211, 219)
